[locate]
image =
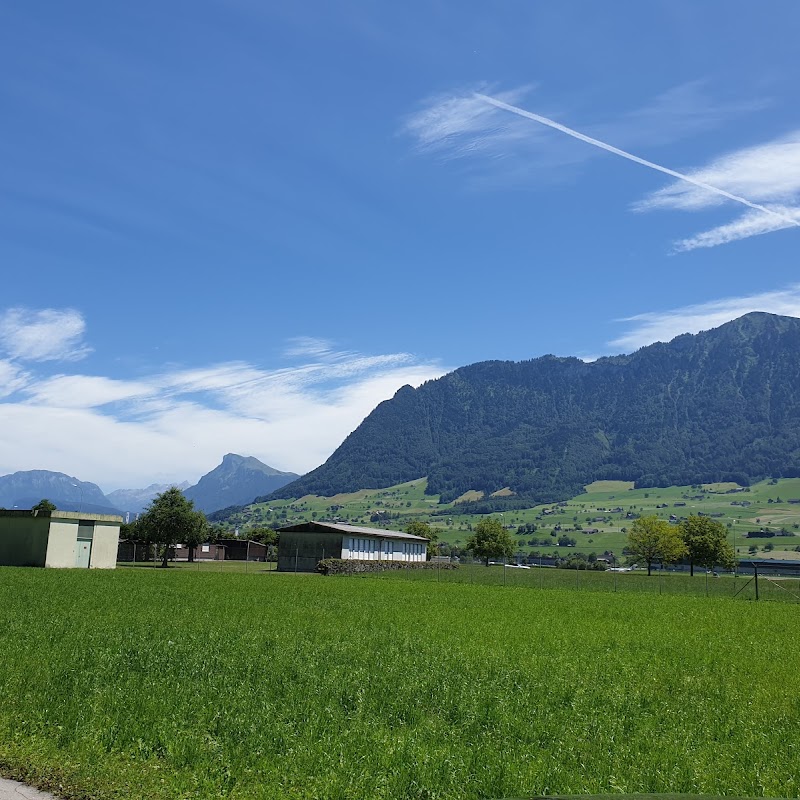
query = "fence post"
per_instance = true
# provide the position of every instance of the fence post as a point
(755, 574)
(296, 552)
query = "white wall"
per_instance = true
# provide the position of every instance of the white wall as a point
(64, 537)
(364, 548)
(104, 547)
(61, 544)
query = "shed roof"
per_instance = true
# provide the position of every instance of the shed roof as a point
(357, 530)
(58, 514)
(771, 563)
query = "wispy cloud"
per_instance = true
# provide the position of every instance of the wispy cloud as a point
(491, 128)
(695, 183)
(461, 125)
(678, 113)
(12, 378)
(768, 174)
(175, 424)
(661, 326)
(307, 346)
(45, 335)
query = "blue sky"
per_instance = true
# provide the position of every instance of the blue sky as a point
(239, 225)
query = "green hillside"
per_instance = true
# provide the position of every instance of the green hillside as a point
(597, 519)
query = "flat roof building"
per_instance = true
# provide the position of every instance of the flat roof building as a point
(58, 539)
(301, 547)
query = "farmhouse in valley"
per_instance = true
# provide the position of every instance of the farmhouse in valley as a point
(301, 547)
(58, 539)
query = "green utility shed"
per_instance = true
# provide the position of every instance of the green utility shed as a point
(58, 539)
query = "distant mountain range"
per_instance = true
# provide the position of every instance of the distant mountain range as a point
(136, 500)
(26, 489)
(721, 405)
(236, 481)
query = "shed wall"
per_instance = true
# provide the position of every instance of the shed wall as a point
(61, 544)
(302, 551)
(376, 548)
(23, 541)
(104, 547)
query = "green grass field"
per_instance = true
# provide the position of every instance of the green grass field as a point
(772, 588)
(176, 683)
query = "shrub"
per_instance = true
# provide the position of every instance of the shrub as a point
(346, 566)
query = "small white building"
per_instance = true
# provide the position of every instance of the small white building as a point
(301, 547)
(58, 539)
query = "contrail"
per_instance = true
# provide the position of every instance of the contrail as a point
(611, 149)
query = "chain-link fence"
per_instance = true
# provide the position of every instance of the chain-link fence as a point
(751, 581)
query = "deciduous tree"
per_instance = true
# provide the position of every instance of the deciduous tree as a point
(653, 540)
(171, 518)
(706, 543)
(45, 505)
(419, 528)
(490, 540)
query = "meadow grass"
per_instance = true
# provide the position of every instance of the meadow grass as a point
(726, 585)
(177, 684)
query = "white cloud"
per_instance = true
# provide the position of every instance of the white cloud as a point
(12, 378)
(471, 124)
(460, 124)
(84, 391)
(46, 335)
(768, 174)
(176, 424)
(752, 223)
(662, 326)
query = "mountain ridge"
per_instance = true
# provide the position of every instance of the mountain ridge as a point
(722, 404)
(25, 488)
(236, 481)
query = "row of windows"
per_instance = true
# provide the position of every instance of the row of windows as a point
(357, 545)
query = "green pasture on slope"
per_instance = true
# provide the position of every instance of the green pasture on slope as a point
(763, 505)
(183, 684)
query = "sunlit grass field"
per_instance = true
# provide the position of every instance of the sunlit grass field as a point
(177, 683)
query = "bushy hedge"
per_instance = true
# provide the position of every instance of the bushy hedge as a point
(345, 566)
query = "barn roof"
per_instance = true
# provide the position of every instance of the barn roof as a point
(352, 530)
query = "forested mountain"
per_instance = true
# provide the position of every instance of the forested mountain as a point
(237, 480)
(723, 404)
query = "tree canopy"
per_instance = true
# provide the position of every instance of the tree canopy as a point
(706, 543)
(654, 540)
(490, 539)
(419, 528)
(170, 519)
(45, 505)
